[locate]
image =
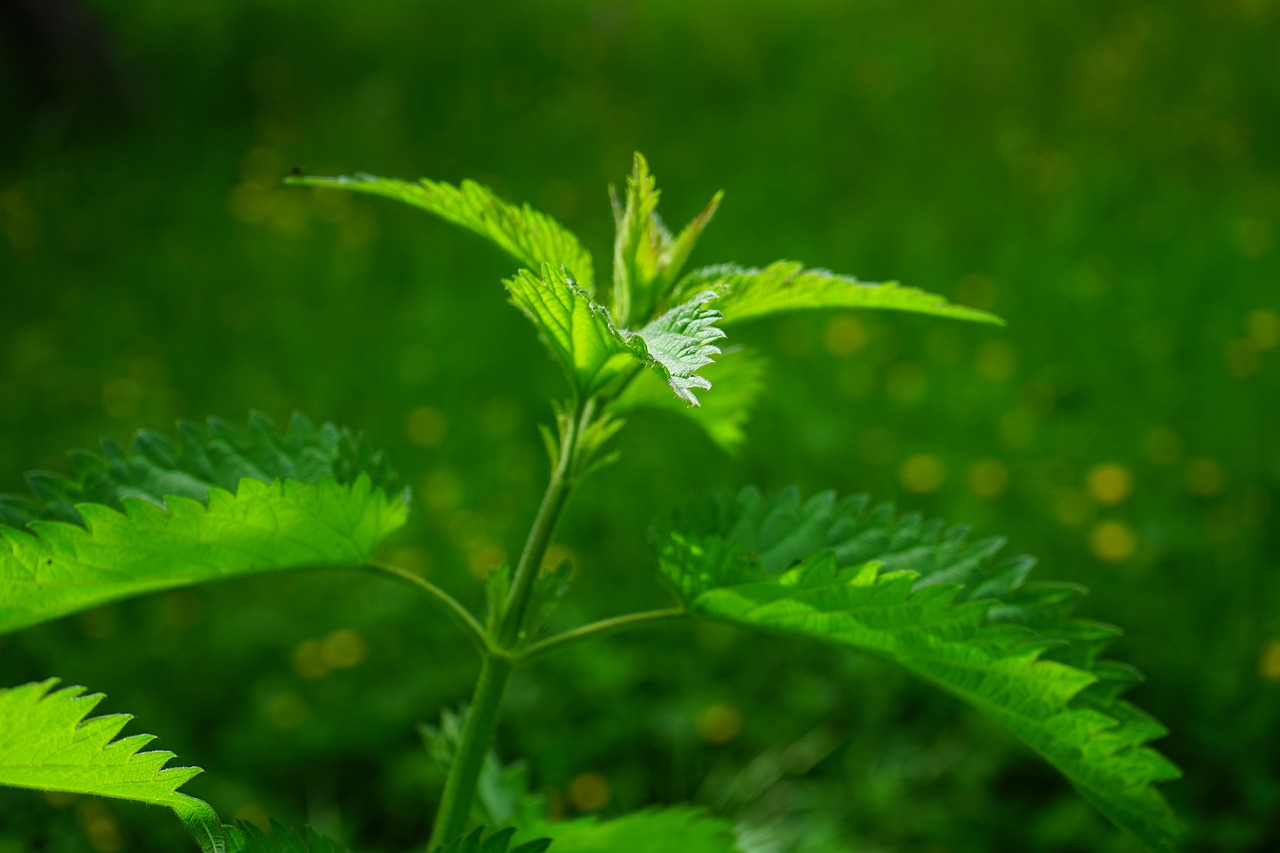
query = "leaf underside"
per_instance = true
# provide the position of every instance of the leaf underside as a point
(593, 352)
(247, 838)
(531, 237)
(47, 744)
(947, 609)
(783, 286)
(681, 828)
(166, 520)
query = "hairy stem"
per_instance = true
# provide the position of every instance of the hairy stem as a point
(598, 629)
(458, 614)
(482, 718)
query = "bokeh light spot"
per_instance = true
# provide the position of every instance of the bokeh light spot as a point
(1269, 660)
(988, 478)
(996, 360)
(844, 335)
(922, 473)
(1205, 478)
(308, 660)
(1162, 445)
(1263, 329)
(589, 792)
(719, 723)
(1109, 483)
(343, 649)
(425, 426)
(287, 710)
(1113, 541)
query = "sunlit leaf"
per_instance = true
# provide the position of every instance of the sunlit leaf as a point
(923, 596)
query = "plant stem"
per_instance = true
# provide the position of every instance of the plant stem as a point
(477, 733)
(598, 629)
(499, 659)
(456, 612)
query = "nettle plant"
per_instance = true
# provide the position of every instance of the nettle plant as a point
(218, 503)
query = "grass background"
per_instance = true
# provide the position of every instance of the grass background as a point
(1103, 175)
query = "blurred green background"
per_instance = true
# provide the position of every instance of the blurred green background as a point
(1105, 175)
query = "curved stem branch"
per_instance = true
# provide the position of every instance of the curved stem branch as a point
(460, 616)
(598, 629)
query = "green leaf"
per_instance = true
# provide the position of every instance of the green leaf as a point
(215, 456)
(579, 333)
(681, 342)
(498, 842)
(247, 838)
(532, 238)
(47, 744)
(646, 258)
(786, 286)
(684, 829)
(923, 596)
(593, 352)
(164, 522)
(736, 379)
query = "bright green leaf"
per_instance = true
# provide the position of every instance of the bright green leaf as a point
(47, 744)
(646, 257)
(924, 597)
(736, 379)
(530, 237)
(579, 333)
(683, 829)
(593, 352)
(165, 522)
(786, 286)
(681, 342)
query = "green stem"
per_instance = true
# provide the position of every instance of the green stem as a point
(535, 547)
(499, 660)
(598, 629)
(456, 612)
(477, 734)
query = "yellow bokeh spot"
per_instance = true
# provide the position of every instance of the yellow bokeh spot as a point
(1263, 329)
(1109, 483)
(905, 382)
(483, 557)
(1113, 541)
(343, 649)
(589, 792)
(308, 660)
(100, 826)
(1269, 661)
(1162, 445)
(425, 426)
(1205, 478)
(719, 723)
(988, 478)
(1241, 358)
(58, 799)
(557, 554)
(1017, 428)
(287, 710)
(996, 360)
(922, 473)
(441, 490)
(253, 813)
(844, 335)
(1071, 508)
